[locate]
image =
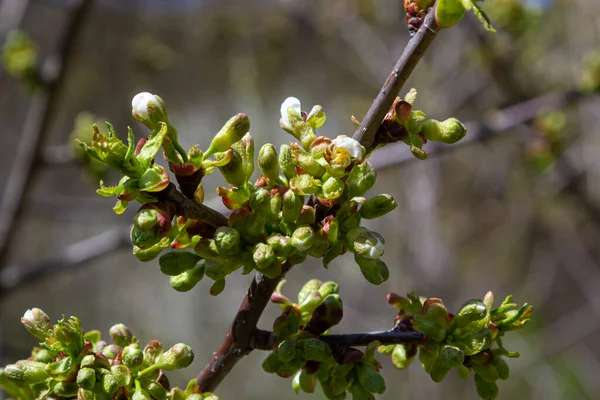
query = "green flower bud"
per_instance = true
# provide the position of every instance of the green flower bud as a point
(501, 367)
(326, 315)
(122, 375)
(435, 310)
(176, 262)
(69, 334)
(374, 270)
(152, 351)
(26, 372)
(151, 224)
(487, 372)
(263, 255)
(259, 200)
(217, 287)
(111, 351)
(158, 391)
(305, 184)
(286, 351)
(471, 311)
(365, 243)
(245, 148)
(402, 357)
(110, 385)
(65, 389)
(177, 357)
(438, 371)
(370, 379)
(121, 335)
(306, 162)
(233, 131)
(328, 288)
(313, 284)
(86, 378)
(268, 162)
(309, 304)
(133, 356)
(449, 131)
(332, 188)
(149, 109)
(303, 238)
(154, 179)
(286, 161)
(307, 216)
(207, 248)
(451, 356)
(377, 206)
(475, 342)
(280, 244)
(430, 328)
(188, 279)
(43, 355)
(485, 390)
(37, 323)
(227, 240)
(292, 206)
(234, 171)
(361, 178)
(315, 350)
(449, 12)
(140, 394)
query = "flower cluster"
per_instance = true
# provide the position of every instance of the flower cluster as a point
(72, 363)
(308, 200)
(299, 352)
(470, 340)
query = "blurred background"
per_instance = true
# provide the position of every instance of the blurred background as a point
(514, 209)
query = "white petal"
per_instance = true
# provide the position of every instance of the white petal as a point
(354, 148)
(287, 103)
(140, 101)
(28, 315)
(377, 250)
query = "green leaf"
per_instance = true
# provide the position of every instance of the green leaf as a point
(483, 18)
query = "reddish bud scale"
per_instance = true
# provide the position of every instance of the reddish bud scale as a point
(415, 13)
(139, 145)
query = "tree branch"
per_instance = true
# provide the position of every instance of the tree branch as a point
(190, 208)
(265, 340)
(407, 62)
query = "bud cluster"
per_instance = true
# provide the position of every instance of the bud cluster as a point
(299, 352)
(72, 363)
(470, 340)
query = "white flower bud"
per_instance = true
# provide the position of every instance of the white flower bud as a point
(148, 108)
(292, 102)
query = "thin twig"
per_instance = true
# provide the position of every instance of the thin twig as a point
(70, 257)
(37, 122)
(265, 340)
(190, 208)
(407, 62)
(501, 121)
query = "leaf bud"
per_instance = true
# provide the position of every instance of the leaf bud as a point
(69, 333)
(37, 323)
(449, 12)
(233, 130)
(121, 335)
(501, 367)
(448, 131)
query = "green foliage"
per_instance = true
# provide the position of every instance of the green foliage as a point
(73, 363)
(20, 58)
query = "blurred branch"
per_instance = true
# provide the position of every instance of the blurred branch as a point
(500, 121)
(37, 121)
(407, 62)
(265, 340)
(70, 257)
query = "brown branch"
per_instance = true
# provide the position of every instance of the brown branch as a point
(190, 208)
(265, 340)
(501, 121)
(407, 62)
(37, 121)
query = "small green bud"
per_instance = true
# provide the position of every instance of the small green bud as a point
(37, 323)
(158, 391)
(174, 263)
(328, 288)
(305, 184)
(110, 384)
(401, 357)
(292, 206)
(149, 109)
(26, 372)
(122, 375)
(361, 178)
(306, 162)
(217, 287)
(370, 379)
(121, 335)
(471, 311)
(133, 356)
(449, 12)
(315, 350)
(43, 355)
(259, 200)
(280, 244)
(86, 378)
(227, 240)
(485, 390)
(377, 206)
(233, 131)
(65, 389)
(313, 284)
(268, 162)
(152, 351)
(487, 372)
(303, 238)
(309, 304)
(435, 310)
(111, 351)
(177, 357)
(451, 356)
(430, 328)
(69, 333)
(427, 358)
(263, 255)
(501, 367)
(234, 171)
(448, 131)
(332, 188)
(272, 363)
(286, 351)
(475, 342)
(305, 381)
(286, 161)
(187, 280)
(141, 394)
(365, 243)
